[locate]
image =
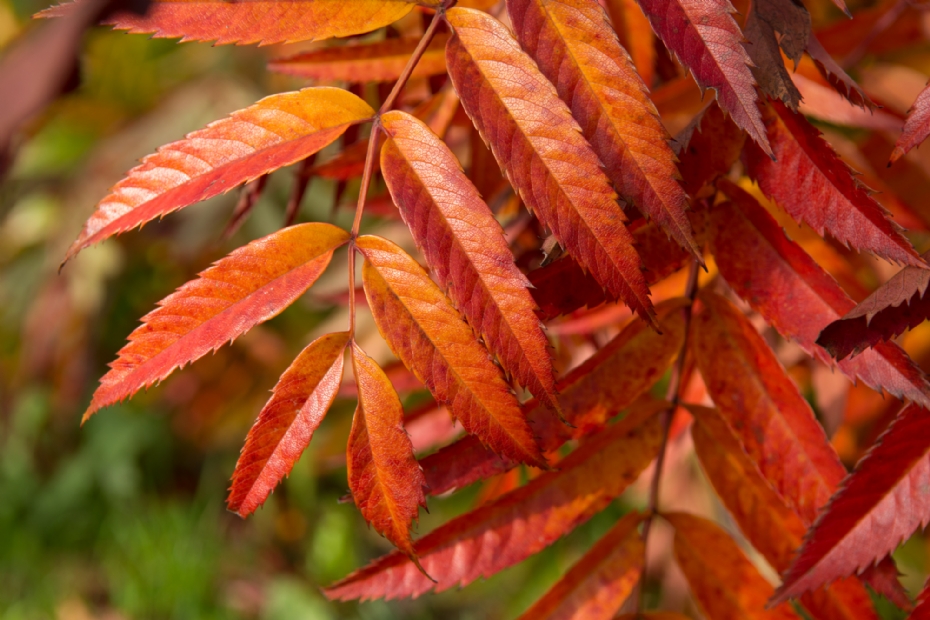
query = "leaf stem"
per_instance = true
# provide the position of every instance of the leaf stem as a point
(425, 40)
(673, 396)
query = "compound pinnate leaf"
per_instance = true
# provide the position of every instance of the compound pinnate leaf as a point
(754, 394)
(723, 581)
(601, 581)
(704, 36)
(381, 61)
(287, 422)
(248, 287)
(385, 479)
(916, 128)
(275, 132)
(811, 183)
(762, 515)
(428, 334)
(535, 140)
(516, 525)
(781, 271)
(464, 245)
(576, 48)
(254, 21)
(881, 503)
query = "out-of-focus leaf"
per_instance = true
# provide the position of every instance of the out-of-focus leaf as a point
(707, 148)
(916, 128)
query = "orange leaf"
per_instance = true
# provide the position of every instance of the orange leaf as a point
(536, 141)
(576, 48)
(381, 61)
(287, 422)
(600, 388)
(765, 519)
(635, 35)
(795, 295)
(465, 247)
(517, 525)
(599, 583)
(723, 581)
(248, 287)
(384, 477)
(426, 332)
(254, 21)
(816, 187)
(275, 132)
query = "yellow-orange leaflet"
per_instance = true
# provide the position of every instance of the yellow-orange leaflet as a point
(465, 247)
(535, 140)
(385, 479)
(428, 334)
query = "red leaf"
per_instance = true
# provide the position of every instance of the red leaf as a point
(916, 128)
(275, 132)
(576, 48)
(895, 306)
(707, 148)
(517, 525)
(255, 21)
(814, 186)
(704, 36)
(882, 502)
(287, 422)
(426, 332)
(248, 287)
(795, 295)
(598, 584)
(465, 247)
(385, 479)
(536, 141)
(836, 76)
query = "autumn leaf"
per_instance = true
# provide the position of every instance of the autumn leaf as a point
(599, 583)
(811, 183)
(575, 47)
(255, 21)
(774, 24)
(464, 245)
(277, 131)
(426, 332)
(882, 502)
(836, 76)
(781, 270)
(286, 424)
(916, 128)
(536, 141)
(723, 581)
(635, 36)
(248, 287)
(385, 479)
(381, 61)
(707, 148)
(607, 383)
(523, 522)
(705, 38)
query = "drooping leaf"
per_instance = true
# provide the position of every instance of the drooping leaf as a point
(465, 247)
(795, 295)
(707, 149)
(523, 522)
(916, 128)
(381, 61)
(761, 403)
(705, 38)
(635, 36)
(723, 581)
(882, 502)
(248, 287)
(275, 132)
(604, 385)
(816, 187)
(254, 21)
(836, 76)
(286, 423)
(765, 519)
(897, 305)
(599, 583)
(385, 479)
(772, 24)
(536, 141)
(575, 47)
(426, 332)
